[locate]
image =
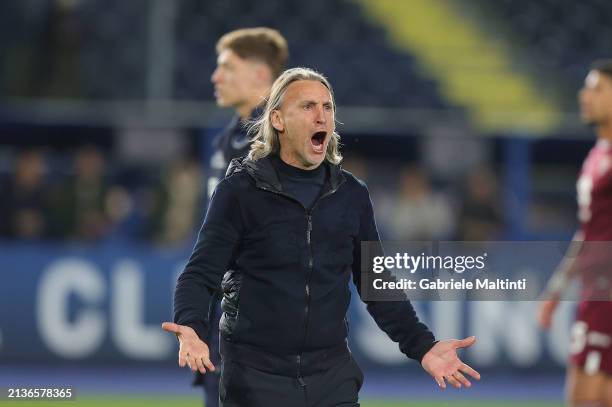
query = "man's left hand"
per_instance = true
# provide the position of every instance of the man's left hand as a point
(442, 362)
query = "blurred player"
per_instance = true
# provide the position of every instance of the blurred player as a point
(248, 62)
(589, 375)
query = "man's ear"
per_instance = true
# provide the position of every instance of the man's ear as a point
(263, 74)
(277, 120)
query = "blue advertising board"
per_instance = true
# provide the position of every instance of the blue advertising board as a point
(62, 304)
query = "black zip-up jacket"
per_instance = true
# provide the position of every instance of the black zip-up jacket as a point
(287, 289)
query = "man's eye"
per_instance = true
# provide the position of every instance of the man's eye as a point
(307, 107)
(327, 107)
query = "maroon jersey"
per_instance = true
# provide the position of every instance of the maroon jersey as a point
(591, 337)
(594, 188)
(592, 333)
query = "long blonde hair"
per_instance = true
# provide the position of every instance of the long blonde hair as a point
(265, 140)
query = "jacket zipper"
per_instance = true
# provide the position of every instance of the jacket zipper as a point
(308, 276)
(307, 306)
(299, 376)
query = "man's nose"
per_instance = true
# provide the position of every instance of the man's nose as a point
(214, 78)
(320, 117)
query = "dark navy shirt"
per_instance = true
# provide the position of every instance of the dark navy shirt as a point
(305, 185)
(233, 142)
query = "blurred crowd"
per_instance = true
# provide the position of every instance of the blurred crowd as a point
(413, 204)
(88, 196)
(61, 48)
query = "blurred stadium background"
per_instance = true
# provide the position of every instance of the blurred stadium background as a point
(460, 115)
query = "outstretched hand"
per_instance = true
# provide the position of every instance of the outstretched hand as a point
(546, 312)
(193, 352)
(442, 362)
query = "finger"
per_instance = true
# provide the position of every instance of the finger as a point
(543, 316)
(193, 364)
(200, 365)
(452, 381)
(182, 360)
(465, 368)
(545, 321)
(171, 327)
(461, 378)
(440, 381)
(208, 364)
(464, 343)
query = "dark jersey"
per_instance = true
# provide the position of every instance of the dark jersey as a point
(232, 142)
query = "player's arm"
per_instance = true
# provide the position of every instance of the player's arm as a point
(217, 242)
(399, 320)
(559, 281)
(396, 318)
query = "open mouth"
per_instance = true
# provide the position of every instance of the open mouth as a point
(318, 140)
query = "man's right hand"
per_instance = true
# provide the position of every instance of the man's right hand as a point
(192, 350)
(546, 311)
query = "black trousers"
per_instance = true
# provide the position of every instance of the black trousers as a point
(244, 386)
(210, 380)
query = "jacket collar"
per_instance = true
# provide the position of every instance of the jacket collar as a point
(266, 177)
